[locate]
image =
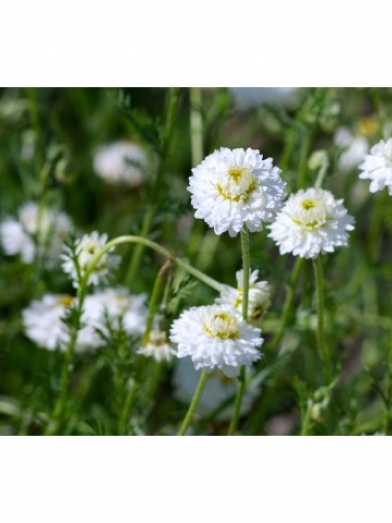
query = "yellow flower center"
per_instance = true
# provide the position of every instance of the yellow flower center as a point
(308, 203)
(222, 325)
(66, 301)
(240, 185)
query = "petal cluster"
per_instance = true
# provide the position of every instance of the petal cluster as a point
(232, 189)
(35, 232)
(157, 347)
(259, 297)
(121, 163)
(85, 250)
(377, 167)
(216, 337)
(311, 222)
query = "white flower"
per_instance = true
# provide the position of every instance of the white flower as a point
(43, 323)
(43, 318)
(356, 148)
(216, 336)
(217, 390)
(46, 231)
(121, 162)
(258, 297)
(86, 248)
(157, 347)
(249, 97)
(377, 166)
(232, 189)
(311, 222)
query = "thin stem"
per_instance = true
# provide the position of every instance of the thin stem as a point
(174, 95)
(196, 125)
(323, 349)
(288, 304)
(158, 248)
(156, 292)
(245, 298)
(306, 421)
(388, 410)
(55, 426)
(194, 402)
(303, 159)
(126, 410)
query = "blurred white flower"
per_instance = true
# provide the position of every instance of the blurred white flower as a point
(232, 189)
(258, 297)
(355, 146)
(249, 97)
(118, 302)
(216, 337)
(311, 222)
(121, 163)
(377, 166)
(86, 248)
(217, 390)
(35, 233)
(43, 324)
(157, 347)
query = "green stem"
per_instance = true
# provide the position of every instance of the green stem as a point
(245, 299)
(388, 410)
(156, 292)
(196, 125)
(174, 95)
(55, 426)
(323, 349)
(306, 420)
(158, 248)
(126, 410)
(288, 304)
(194, 402)
(303, 160)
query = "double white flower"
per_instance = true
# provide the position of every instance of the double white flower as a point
(311, 222)
(216, 336)
(377, 167)
(232, 189)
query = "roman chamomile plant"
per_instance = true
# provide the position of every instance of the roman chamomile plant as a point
(234, 191)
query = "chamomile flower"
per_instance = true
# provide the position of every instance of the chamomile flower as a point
(35, 232)
(355, 149)
(232, 189)
(218, 389)
(85, 250)
(157, 347)
(377, 166)
(121, 163)
(311, 222)
(258, 297)
(43, 323)
(216, 337)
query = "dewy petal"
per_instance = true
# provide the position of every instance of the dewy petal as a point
(235, 188)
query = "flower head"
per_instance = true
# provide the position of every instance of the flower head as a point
(216, 336)
(217, 390)
(258, 297)
(157, 347)
(121, 162)
(35, 232)
(232, 189)
(377, 167)
(311, 222)
(355, 148)
(85, 250)
(43, 321)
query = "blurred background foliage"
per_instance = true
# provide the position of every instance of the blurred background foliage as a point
(48, 140)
